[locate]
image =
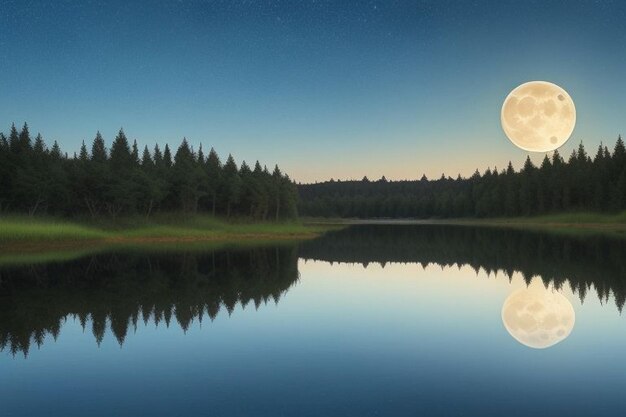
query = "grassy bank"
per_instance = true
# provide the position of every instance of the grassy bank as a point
(162, 228)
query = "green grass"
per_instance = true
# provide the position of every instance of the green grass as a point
(162, 227)
(24, 229)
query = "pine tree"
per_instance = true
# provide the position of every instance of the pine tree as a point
(5, 173)
(511, 207)
(544, 190)
(146, 160)
(55, 152)
(24, 140)
(200, 157)
(121, 157)
(83, 155)
(158, 156)
(39, 148)
(619, 152)
(277, 178)
(599, 180)
(618, 175)
(186, 178)
(167, 157)
(98, 149)
(150, 190)
(14, 140)
(231, 183)
(213, 168)
(122, 192)
(249, 190)
(134, 153)
(57, 187)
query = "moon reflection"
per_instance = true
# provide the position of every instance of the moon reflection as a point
(538, 317)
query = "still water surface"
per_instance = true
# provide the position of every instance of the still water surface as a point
(368, 321)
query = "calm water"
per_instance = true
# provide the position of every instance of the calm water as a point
(372, 320)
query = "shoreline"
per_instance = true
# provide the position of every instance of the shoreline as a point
(24, 237)
(460, 221)
(22, 233)
(31, 251)
(600, 223)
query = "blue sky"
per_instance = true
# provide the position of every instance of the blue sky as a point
(324, 88)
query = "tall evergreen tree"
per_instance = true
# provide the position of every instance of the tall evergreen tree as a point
(98, 149)
(167, 157)
(231, 184)
(83, 155)
(134, 153)
(213, 168)
(122, 192)
(14, 140)
(187, 179)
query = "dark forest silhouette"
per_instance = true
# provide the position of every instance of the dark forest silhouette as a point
(117, 291)
(123, 181)
(581, 183)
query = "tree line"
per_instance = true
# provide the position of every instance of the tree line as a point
(37, 179)
(582, 182)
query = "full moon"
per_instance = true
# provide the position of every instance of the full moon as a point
(537, 317)
(538, 116)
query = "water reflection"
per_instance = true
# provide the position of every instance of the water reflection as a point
(538, 317)
(584, 263)
(116, 291)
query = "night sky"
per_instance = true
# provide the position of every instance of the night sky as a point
(326, 89)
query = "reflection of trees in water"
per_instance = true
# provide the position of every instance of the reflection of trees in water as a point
(118, 290)
(582, 262)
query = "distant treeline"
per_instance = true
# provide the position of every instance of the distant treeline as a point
(580, 183)
(35, 179)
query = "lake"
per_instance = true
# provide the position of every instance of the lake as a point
(372, 320)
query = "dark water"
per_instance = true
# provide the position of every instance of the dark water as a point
(372, 320)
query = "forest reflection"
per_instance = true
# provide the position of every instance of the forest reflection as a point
(116, 291)
(584, 262)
